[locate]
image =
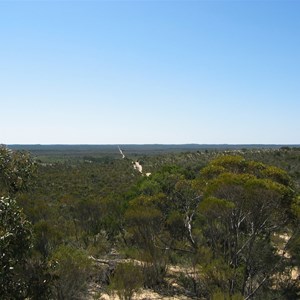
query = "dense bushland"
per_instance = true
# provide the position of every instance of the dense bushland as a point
(228, 220)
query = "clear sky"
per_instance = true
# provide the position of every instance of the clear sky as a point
(144, 72)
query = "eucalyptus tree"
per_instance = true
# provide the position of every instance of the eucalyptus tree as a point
(245, 205)
(15, 231)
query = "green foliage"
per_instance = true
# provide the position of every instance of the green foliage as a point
(15, 243)
(175, 225)
(296, 208)
(214, 213)
(244, 205)
(47, 238)
(145, 223)
(127, 279)
(226, 296)
(71, 268)
(39, 278)
(16, 170)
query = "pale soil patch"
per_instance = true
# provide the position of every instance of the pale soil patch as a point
(137, 166)
(144, 295)
(173, 272)
(295, 273)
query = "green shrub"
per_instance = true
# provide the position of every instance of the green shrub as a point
(15, 243)
(71, 270)
(126, 280)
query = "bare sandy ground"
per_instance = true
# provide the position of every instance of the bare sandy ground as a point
(144, 295)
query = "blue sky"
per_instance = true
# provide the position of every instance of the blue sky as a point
(143, 72)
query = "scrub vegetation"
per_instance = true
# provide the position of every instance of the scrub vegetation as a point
(208, 223)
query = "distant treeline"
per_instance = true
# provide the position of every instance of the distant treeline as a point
(146, 148)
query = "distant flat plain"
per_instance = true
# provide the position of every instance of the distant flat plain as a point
(85, 150)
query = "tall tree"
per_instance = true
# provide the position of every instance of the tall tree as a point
(245, 205)
(15, 231)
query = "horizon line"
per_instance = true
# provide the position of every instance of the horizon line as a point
(148, 144)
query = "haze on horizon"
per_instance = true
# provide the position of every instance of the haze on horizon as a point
(149, 72)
